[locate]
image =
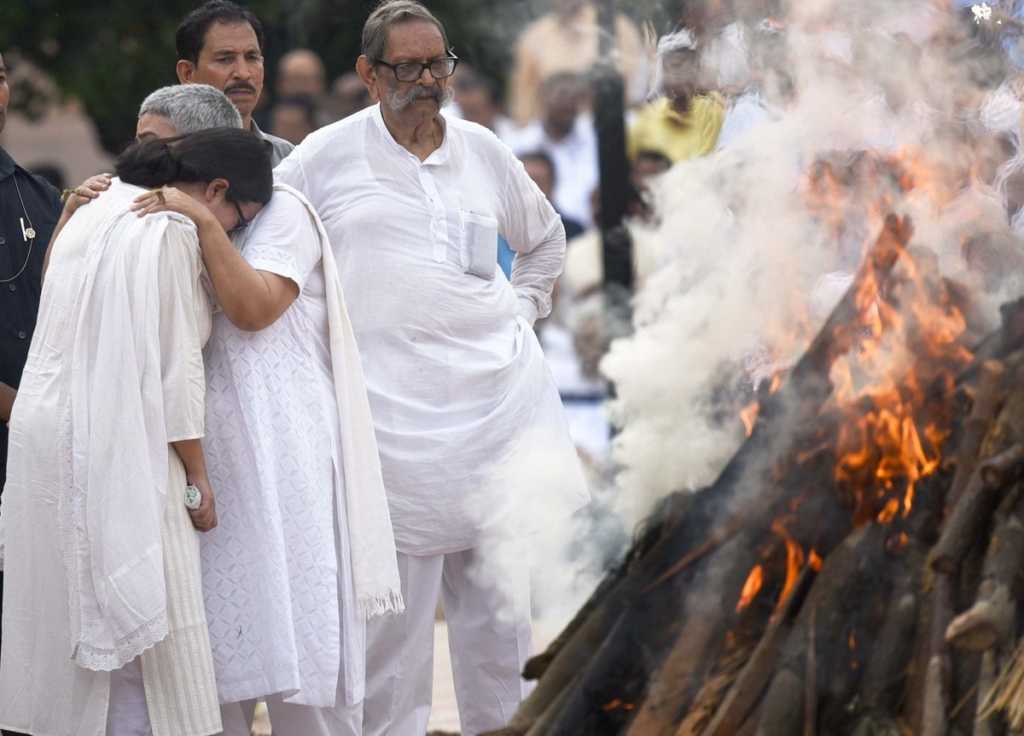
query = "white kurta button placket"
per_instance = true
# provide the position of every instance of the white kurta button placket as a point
(438, 219)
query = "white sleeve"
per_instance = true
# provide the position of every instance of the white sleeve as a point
(291, 172)
(284, 241)
(181, 349)
(534, 231)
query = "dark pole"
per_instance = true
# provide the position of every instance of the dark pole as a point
(610, 121)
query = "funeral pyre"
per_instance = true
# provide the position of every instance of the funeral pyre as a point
(857, 565)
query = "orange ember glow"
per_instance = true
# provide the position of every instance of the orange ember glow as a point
(617, 704)
(795, 560)
(815, 561)
(751, 588)
(749, 416)
(794, 564)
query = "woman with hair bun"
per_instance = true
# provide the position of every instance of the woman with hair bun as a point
(105, 629)
(304, 552)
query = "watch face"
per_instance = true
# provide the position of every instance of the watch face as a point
(193, 497)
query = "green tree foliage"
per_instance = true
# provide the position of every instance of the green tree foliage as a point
(111, 54)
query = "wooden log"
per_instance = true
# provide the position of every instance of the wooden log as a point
(661, 523)
(783, 711)
(974, 510)
(677, 679)
(811, 679)
(564, 670)
(992, 619)
(996, 472)
(886, 671)
(745, 692)
(982, 415)
(542, 724)
(855, 571)
(938, 676)
(565, 659)
(702, 709)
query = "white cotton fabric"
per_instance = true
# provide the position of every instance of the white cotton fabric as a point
(101, 561)
(304, 550)
(576, 164)
(454, 371)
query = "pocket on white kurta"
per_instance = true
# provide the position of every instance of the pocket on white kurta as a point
(479, 245)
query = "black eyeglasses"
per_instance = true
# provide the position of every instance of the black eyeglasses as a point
(410, 71)
(243, 221)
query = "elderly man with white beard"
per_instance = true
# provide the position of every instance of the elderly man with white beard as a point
(413, 204)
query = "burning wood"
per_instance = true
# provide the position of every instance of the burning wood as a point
(823, 583)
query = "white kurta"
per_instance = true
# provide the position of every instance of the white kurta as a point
(277, 573)
(454, 371)
(43, 690)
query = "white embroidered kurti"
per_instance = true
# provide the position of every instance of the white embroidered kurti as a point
(454, 371)
(117, 352)
(277, 574)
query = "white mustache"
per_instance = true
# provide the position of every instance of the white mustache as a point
(398, 101)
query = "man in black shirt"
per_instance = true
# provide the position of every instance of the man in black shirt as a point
(29, 209)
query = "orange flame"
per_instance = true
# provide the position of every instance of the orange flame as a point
(880, 386)
(749, 417)
(794, 565)
(751, 588)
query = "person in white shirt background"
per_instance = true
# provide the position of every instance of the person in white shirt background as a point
(413, 204)
(565, 132)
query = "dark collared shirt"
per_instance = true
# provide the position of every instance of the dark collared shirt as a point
(279, 147)
(19, 298)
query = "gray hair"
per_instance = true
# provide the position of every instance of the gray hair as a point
(391, 13)
(192, 107)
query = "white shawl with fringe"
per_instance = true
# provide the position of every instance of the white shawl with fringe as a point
(372, 540)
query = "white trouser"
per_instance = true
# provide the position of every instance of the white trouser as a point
(295, 720)
(127, 713)
(489, 641)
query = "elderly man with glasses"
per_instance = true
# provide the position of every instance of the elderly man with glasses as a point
(413, 204)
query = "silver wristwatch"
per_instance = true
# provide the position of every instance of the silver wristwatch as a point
(193, 497)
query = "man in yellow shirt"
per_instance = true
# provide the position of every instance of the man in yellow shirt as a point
(685, 122)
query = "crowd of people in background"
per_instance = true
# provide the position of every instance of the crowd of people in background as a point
(689, 92)
(696, 89)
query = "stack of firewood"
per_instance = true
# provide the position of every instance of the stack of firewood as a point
(857, 621)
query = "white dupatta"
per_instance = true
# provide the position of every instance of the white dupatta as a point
(371, 538)
(112, 511)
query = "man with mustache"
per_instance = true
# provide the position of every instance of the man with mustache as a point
(461, 398)
(29, 208)
(221, 44)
